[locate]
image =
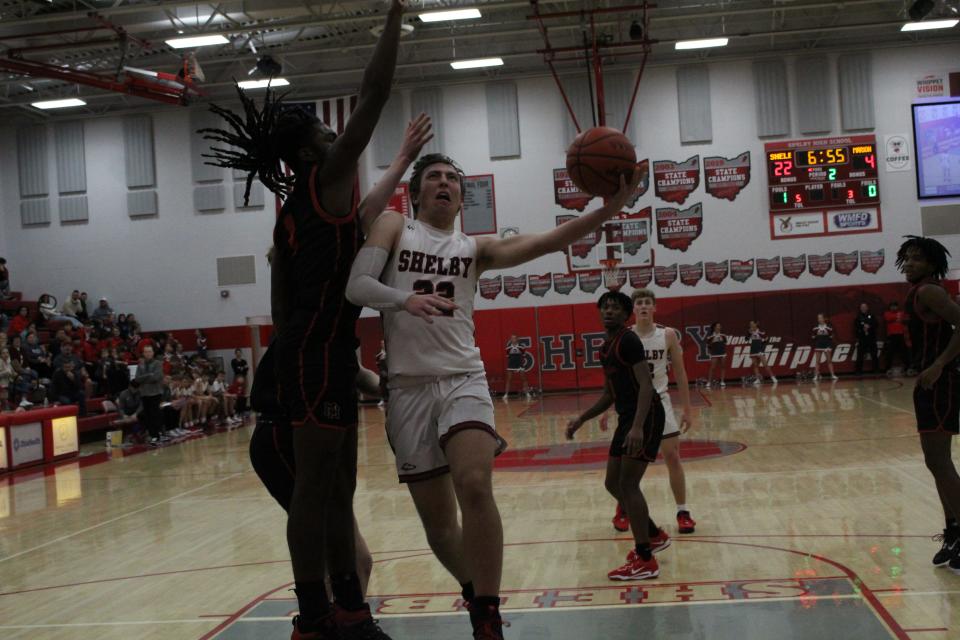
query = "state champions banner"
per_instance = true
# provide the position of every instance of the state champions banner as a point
(768, 268)
(691, 274)
(675, 181)
(640, 277)
(725, 178)
(741, 270)
(677, 229)
(716, 272)
(665, 276)
(490, 288)
(539, 285)
(872, 261)
(845, 263)
(794, 267)
(819, 265)
(563, 283)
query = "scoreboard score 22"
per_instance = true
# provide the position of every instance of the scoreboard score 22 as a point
(821, 179)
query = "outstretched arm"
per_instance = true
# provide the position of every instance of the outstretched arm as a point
(374, 93)
(418, 134)
(500, 254)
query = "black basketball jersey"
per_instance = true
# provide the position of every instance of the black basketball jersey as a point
(318, 250)
(929, 333)
(618, 355)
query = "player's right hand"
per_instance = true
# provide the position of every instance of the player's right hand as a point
(634, 441)
(572, 427)
(427, 305)
(628, 185)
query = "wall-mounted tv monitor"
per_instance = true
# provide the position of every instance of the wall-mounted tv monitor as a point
(936, 140)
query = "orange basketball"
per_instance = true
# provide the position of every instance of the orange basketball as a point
(597, 158)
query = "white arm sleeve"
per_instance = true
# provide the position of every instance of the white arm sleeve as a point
(365, 289)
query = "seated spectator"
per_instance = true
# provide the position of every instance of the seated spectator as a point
(204, 402)
(7, 372)
(132, 323)
(4, 280)
(28, 391)
(68, 387)
(91, 354)
(239, 389)
(67, 354)
(37, 357)
(123, 325)
(129, 405)
(72, 305)
(103, 313)
(16, 353)
(228, 401)
(20, 321)
(82, 314)
(48, 309)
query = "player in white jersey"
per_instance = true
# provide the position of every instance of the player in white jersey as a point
(662, 345)
(440, 415)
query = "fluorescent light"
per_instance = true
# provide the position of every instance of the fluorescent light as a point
(477, 64)
(929, 24)
(706, 43)
(58, 104)
(196, 41)
(456, 14)
(263, 84)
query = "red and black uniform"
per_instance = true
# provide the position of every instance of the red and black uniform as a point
(937, 408)
(618, 355)
(316, 346)
(271, 445)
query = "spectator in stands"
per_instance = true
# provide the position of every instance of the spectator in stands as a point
(228, 401)
(82, 314)
(48, 309)
(103, 313)
(4, 280)
(132, 323)
(202, 399)
(91, 354)
(150, 378)
(68, 387)
(72, 305)
(239, 365)
(865, 326)
(16, 353)
(20, 321)
(201, 344)
(67, 354)
(7, 372)
(37, 357)
(123, 326)
(239, 389)
(6, 404)
(129, 405)
(895, 346)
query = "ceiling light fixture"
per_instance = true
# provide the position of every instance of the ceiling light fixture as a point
(929, 24)
(456, 14)
(59, 104)
(196, 41)
(478, 63)
(705, 43)
(264, 83)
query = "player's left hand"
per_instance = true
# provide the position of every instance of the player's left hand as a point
(929, 376)
(572, 427)
(628, 185)
(634, 441)
(419, 132)
(686, 421)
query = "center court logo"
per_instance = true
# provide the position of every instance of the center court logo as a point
(854, 220)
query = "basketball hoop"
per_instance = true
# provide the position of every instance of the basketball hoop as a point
(611, 274)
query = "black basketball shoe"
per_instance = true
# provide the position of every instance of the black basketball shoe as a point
(950, 537)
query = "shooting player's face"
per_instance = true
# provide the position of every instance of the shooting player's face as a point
(440, 190)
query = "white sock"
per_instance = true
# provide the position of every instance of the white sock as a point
(682, 507)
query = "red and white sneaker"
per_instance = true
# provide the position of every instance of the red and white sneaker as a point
(620, 520)
(657, 544)
(637, 569)
(685, 523)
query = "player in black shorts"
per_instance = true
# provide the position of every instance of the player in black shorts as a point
(934, 324)
(316, 237)
(628, 385)
(271, 446)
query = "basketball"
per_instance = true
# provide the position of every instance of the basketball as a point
(597, 158)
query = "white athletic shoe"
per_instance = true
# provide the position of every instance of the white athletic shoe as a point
(834, 378)
(723, 385)
(773, 379)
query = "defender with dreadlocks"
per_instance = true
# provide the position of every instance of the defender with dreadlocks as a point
(440, 415)
(316, 237)
(934, 323)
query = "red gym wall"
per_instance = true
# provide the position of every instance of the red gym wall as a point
(563, 340)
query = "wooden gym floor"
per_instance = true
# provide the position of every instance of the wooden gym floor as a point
(814, 514)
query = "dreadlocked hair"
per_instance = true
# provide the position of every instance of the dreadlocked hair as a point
(420, 166)
(934, 252)
(259, 140)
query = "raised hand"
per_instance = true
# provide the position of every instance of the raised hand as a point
(419, 132)
(628, 185)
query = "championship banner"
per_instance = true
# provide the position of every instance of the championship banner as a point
(631, 231)
(644, 167)
(819, 265)
(675, 181)
(590, 281)
(539, 285)
(716, 272)
(871, 261)
(581, 249)
(640, 277)
(665, 276)
(690, 274)
(741, 270)
(768, 269)
(794, 267)
(513, 286)
(400, 200)
(845, 263)
(564, 283)
(677, 229)
(490, 288)
(726, 177)
(566, 194)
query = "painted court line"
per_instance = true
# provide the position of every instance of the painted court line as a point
(104, 624)
(886, 404)
(117, 518)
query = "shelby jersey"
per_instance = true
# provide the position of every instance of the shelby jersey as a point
(655, 346)
(619, 354)
(428, 260)
(929, 334)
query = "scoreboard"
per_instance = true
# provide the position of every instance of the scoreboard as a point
(824, 176)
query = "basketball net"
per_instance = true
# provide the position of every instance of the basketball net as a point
(611, 274)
